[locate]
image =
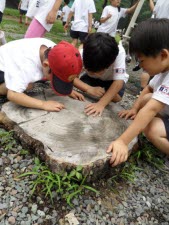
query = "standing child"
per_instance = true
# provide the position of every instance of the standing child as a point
(150, 43)
(23, 7)
(44, 16)
(64, 15)
(111, 15)
(2, 7)
(25, 61)
(105, 78)
(82, 24)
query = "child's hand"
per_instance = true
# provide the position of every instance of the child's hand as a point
(119, 152)
(51, 17)
(128, 114)
(52, 106)
(96, 91)
(76, 95)
(94, 108)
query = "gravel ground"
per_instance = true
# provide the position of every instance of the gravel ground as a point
(146, 201)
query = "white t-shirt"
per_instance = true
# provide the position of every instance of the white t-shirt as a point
(66, 11)
(160, 85)
(81, 9)
(40, 9)
(110, 25)
(161, 9)
(2, 5)
(24, 5)
(20, 61)
(116, 71)
(44, 9)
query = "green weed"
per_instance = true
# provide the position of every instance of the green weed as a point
(68, 185)
(6, 139)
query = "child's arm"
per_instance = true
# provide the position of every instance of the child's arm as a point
(131, 9)
(119, 147)
(51, 17)
(93, 91)
(69, 19)
(151, 5)
(27, 101)
(90, 17)
(131, 113)
(97, 108)
(19, 6)
(76, 95)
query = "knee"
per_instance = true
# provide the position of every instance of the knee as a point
(150, 132)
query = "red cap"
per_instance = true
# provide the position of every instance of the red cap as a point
(64, 61)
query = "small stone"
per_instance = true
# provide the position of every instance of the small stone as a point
(11, 220)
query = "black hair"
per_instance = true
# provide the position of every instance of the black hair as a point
(99, 51)
(150, 37)
(66, 2)
(46, 53)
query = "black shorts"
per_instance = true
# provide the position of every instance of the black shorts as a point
(78, 35)
(63, 23)
(166, 124)
(1, 15)
(22, 12)
(2, 80)
(101, 83)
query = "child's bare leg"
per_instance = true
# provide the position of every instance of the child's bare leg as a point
(3, 89)
(117, 98)
(26, 20)
(74, 42)
(156, 134)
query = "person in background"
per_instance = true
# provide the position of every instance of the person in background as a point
(64, 15)
(2, 7)
(44, 16)
(82, 10)
(23, 7)
(111, 15)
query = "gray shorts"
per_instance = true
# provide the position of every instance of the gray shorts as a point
(166, 124)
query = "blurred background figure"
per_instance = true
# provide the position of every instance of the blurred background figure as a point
(23, 8)
(64, 15)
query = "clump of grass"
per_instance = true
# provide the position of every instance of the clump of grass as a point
(6, 140)
(67, 185)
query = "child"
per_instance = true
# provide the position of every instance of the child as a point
(82, 24)
(111, 15)
(105, 78)
(64, 15)
(44, 15)
(150, 43)
(161, 8)
(2, 7)
(23, 7)
(25, 61)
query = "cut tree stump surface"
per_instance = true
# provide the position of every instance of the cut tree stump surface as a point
(67, 138)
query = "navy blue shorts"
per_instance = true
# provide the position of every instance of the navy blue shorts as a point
(2, 80)
(1, 15)
(166, 124)
(101, 83)
(78, 35)
(22, 12)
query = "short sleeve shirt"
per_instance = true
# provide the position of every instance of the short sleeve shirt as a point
(2, 5)
(20, 62)
(24, 5)
(110, 25)
(160, 85)
(161, 9)
(81, 9)
(116, 71)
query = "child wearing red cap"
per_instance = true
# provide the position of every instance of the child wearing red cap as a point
(26, 61)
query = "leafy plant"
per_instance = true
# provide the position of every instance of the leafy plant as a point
(6, 139)
(68, 185)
